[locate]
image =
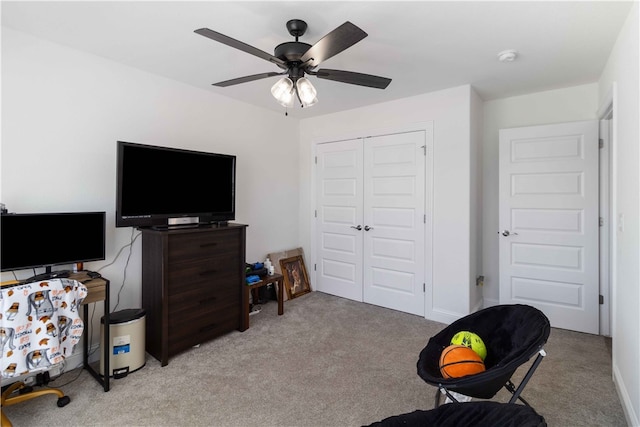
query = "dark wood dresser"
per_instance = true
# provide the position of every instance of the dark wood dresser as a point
(192, 283)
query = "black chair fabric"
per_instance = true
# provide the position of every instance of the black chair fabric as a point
(476, 414)
(512, 335)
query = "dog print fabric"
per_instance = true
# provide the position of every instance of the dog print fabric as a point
(39, 324)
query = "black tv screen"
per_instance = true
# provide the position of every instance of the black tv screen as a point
(33, 240)
(160, 186)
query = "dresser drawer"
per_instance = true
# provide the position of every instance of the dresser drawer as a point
(217, 294)
(200, 329)
(202, 274)
(195, 246)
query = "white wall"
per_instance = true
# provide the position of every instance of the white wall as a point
(555, 106)
(623, 69)
(449, 111)
(63, 111)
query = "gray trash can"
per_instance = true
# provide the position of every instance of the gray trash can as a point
(127, 348)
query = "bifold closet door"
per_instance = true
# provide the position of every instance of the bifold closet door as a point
(370, 220)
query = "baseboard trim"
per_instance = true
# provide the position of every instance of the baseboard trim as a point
(490, 302)
(76, 359)
(623, 395)
(448, 317)
(444, 316)
(478, 305)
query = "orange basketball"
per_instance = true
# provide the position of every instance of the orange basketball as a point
(458, 361)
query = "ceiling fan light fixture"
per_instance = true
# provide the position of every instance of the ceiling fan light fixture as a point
(287, 100)
(298, 58)
(283, 91)
(306, 92)
(311, 103)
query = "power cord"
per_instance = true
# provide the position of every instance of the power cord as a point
(124, 278)
(79, 369)
(124, 275)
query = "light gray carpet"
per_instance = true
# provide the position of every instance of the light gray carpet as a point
(327, 362)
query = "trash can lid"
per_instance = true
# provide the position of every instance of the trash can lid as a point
(124, 316)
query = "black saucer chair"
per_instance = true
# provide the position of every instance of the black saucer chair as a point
(513, 334)
(468, 414)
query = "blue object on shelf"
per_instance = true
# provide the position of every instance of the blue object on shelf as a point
(252, 279)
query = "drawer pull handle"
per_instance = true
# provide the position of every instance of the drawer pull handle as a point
(208, 272)
(207, 300)
(208, 327)
(206, 245)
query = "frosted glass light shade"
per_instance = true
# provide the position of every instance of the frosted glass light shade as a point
(306, 91)
(283, 92)
(314, 101)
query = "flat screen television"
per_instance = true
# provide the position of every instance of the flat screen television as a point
(33, 240)
(166, 187)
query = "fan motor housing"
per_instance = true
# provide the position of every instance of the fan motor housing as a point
(291, 51)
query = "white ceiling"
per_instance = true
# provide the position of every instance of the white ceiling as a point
(423, 46)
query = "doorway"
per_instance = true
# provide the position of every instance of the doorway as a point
(549, 222)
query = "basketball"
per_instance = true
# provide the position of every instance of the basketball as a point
(458, 361)
(471, 340)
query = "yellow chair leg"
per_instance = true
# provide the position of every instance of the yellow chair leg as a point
(7, 399)
(5, 420)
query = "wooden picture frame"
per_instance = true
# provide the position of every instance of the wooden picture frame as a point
(296, 280)
(275, 258)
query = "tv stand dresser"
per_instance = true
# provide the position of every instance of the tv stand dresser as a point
(192, 284)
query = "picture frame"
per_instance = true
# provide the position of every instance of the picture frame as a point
(296, 280)
(275, 258)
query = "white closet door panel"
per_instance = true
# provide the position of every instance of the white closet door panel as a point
(394, 209)
(339, 179)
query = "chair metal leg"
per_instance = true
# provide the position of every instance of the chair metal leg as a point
(440, 391)
(525, 380)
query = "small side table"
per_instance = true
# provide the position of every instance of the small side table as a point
(276, 279)
(97, 290)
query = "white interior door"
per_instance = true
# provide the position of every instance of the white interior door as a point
(548, 217)
(394, 221)
(339, 178)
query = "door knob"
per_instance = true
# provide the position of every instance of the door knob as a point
(507, 233)
(367, 228)
(359, 227)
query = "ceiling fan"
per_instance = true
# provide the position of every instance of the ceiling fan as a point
(297, 59)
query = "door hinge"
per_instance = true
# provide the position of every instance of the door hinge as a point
(601, 143)
(601, 299)
(315, 214)
(424, 288)
(424, 219)
(424, 148)
(600, 221)
(316, 160)
(314, 267)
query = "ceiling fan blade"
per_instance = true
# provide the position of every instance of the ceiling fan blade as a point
(353, 78)
(245, 79)
(343, 37)
(213, 35)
